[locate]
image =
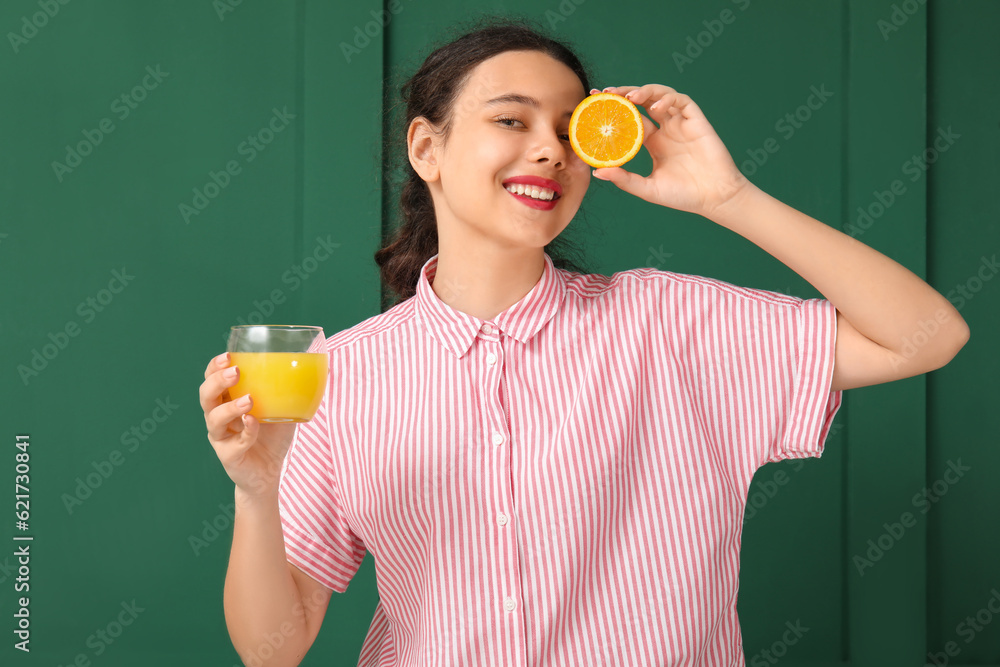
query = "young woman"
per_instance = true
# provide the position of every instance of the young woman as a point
(548, 466)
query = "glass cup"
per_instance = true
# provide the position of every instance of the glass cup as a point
(283, 367)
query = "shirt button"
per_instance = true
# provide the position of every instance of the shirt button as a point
(491, 358)
(502, 519)
(498, 438)
(486, 328)
(509, 604)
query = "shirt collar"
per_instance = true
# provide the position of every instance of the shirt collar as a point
(456, 330)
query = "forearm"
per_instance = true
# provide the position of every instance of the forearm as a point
(881, 298)
(264, 611)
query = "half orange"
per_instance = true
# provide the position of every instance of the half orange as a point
(605, 130)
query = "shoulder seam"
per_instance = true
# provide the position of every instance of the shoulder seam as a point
(372, 326)
(753, 293)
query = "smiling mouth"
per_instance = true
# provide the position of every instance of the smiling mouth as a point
(532, 192)
(536, 204)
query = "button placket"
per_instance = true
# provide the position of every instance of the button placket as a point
(497, 425)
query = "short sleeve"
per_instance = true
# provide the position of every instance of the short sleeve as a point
(764, 367)
(318, 537)
(812, 406)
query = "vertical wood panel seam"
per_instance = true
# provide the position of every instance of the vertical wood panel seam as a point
(385, 157)
(300, 153)
(845, 195)
(927, 273)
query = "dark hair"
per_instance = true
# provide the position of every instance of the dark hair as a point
(431, 92)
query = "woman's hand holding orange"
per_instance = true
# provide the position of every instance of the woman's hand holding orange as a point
(692, 169)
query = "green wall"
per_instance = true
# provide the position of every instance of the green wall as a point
(241, 178)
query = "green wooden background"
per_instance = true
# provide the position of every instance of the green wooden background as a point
(240, 178)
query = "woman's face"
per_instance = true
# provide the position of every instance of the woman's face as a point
(494, 140)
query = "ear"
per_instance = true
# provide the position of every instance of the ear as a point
(422, 144)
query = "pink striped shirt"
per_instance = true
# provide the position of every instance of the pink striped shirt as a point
(564, 484)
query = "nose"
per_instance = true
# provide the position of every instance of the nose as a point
(549, 148)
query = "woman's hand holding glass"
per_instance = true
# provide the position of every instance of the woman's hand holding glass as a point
(250, 452)
(277, 374)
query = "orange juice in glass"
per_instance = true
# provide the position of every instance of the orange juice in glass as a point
(283, 367)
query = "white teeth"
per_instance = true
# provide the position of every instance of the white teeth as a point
(532, 191)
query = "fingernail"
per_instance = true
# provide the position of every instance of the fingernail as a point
(243, 402)
(230, 373)
(222, 359)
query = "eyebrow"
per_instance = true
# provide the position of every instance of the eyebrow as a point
(517, 98)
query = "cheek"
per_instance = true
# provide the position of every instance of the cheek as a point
(581, 175)
(485, 156)
(474, 163)
(576, 165)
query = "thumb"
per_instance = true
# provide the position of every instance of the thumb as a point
(631, 183)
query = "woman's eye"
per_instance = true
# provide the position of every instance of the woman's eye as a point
(506, 119)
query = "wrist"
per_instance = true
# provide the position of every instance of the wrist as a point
(255, 500)
(732, 205)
